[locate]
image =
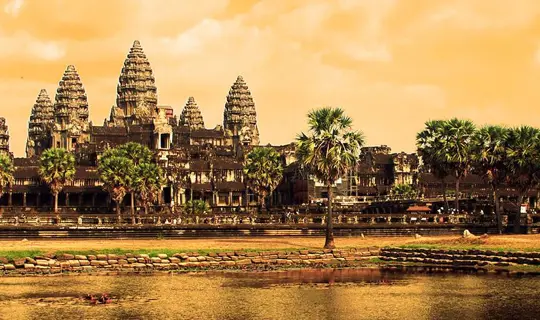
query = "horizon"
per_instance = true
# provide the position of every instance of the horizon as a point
(390, 65)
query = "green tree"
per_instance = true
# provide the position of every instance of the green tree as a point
(329, 151)
(56, 168)
(428, 142)
(457, 137)
(117, 174)
(523, 163)
(148, 183)
(404, 190)
(489, 156)
(263, 171)
(6, 172)
(196, 207)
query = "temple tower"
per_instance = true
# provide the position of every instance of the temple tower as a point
(70, 112)
(136, 91)
(191, 115)
(239, 116)
(4, 137)
(41, 122)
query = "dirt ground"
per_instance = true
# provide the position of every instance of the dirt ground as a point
(514, 242)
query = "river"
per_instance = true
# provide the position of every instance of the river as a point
(296, 294)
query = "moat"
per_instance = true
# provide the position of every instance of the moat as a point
(294, 294)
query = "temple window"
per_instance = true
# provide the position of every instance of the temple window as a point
(164, 141)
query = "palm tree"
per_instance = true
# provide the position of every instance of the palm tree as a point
(328, 151)
(457, 135)
(263, 171)
(489, 154)
(404, 190)
(196, 207)
(6, 172)
(149, 181)
(117, 173)
(523, 163)
(56, 168)
(429, 142)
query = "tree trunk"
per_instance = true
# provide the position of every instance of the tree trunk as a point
(118, 214)
(517, 217)
(132, 208)
(329, 242)
(497, 209)
(458, 181)
(444, 196)
(262, 197)
(55, 202)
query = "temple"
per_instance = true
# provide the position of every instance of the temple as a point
(200, 162)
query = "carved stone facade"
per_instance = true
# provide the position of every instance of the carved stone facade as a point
(40, 124)
(136, 91)
(239, 116)
(4, 137)
(70, 112)
(191, 115)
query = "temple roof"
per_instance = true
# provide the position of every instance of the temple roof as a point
(42, 114)
(136, 82)
(191, 115)
(239, 107)
(70, 96)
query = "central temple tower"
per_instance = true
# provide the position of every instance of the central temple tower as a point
(239, 116)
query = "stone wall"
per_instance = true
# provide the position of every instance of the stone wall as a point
(473, 258)
(185, 261)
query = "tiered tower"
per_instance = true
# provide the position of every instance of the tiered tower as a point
(239, 116)
(70, 112)
(191, 115)
(4, 137)
(40, 124)
(136, 91)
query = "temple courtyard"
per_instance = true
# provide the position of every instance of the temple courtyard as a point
(494, 242)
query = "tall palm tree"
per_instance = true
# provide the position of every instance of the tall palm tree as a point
(6, 172)
(457, 136)
(56, 168)
(523, 163)
(489, 155)
(263, 171)
(149, 181)
(429, 142)
(329, 151)
(117, 174)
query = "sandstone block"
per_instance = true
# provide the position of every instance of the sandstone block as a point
(29, 266)
(174, 260)
(74, 263)
(9, 266)
(80, 257)
(112, 256)
(192, 259)
(122, 261)
(65, 256)
(42, 262)
(84, 262)
(155, 260)
(112, 261)
(201, 258)
(87, 268)
(131, 260)
(101, 257)
(243, 262)
(162, 256)
(92, 257)
(193, 264)
(138, 265)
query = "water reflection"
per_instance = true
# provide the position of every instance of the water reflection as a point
(296, 294)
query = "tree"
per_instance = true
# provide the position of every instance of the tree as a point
(457, 137)
(6, 172)
(148, 182)
(523, 163)
(428, 142)
(196, 207)
(329, 151)
(263, 171)
(56, 168)
(489, 156)
(404, 190)
(117, 174)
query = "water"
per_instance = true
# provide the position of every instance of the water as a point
(300, 294)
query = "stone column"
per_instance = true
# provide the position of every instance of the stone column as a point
(80, 199)
(10, 199)
(230, 199)
(94, 195)
(24, 199)
(67, 199)
(38, 200)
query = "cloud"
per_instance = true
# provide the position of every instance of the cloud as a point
(22, 44)
(13, 7)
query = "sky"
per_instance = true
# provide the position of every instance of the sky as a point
(390, 64)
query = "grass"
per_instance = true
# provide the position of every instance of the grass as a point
(467, 247)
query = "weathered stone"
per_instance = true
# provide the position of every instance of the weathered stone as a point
(101, 257)
(29, 266)
(84, 262)
(92, 257)
(74, 263)
(192, 259)
(42, 262)
(162, 256)
(155, 260)
(112, 261)
(80, 257)
(9, 266)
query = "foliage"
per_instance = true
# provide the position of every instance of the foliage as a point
(6, 172)
(329, 151)
(263, 171)
(117, 174)
(149, 178)
(404, 190)
(56, 168)
(196, 207)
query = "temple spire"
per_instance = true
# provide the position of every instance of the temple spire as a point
(136, 85)
(191, 115)
(40, 124)
(239, 116)
(4, 137)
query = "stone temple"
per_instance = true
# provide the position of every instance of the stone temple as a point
(200, 162)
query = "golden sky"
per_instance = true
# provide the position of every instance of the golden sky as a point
(390, 64)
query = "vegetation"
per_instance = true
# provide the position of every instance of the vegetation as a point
(329, 151)
(263, 171)
(130, 168)
(196, 207)
(6, 172)
(56, 168)
(404, 190)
